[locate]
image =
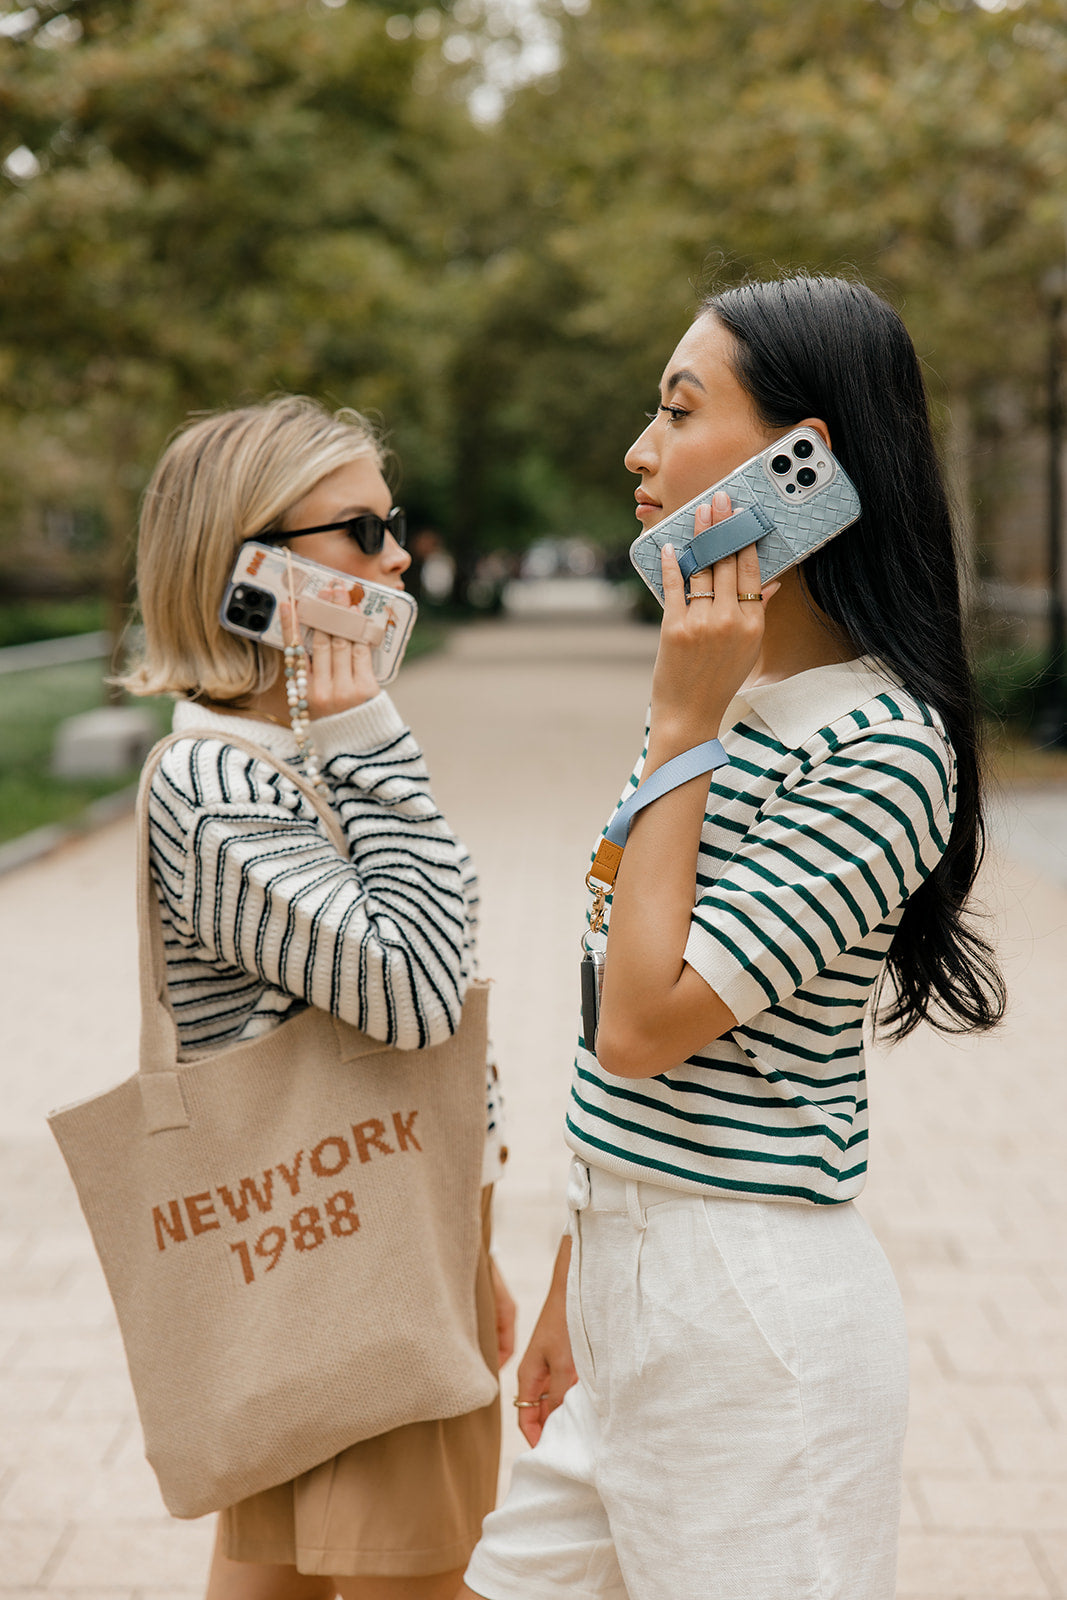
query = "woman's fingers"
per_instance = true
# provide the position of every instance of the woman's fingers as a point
(673, 584)
(531, 1397)
(341, 673)
(748, 578)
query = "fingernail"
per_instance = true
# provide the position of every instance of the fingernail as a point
(668, 550)
(721, 500)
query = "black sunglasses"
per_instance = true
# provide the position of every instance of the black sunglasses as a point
(367, 530)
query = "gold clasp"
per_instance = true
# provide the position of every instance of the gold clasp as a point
(600, 895)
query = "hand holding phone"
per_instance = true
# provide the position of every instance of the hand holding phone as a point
(376, 615)
(788, 500)
(707, 647)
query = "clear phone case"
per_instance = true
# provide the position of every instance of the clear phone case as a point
(796, 483)
(259, 583)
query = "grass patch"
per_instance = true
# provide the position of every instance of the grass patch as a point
(32, 705)
(428, 635)
(27, 621)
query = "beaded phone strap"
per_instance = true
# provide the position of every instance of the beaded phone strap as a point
(600, 879)
(296, 689)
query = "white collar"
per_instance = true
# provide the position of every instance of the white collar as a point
(191, 717)
(794, 708)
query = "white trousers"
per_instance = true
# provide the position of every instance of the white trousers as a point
(737, 1427)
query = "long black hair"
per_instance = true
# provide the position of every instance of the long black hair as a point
(825, 347)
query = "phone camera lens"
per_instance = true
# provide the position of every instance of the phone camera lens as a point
(806, 477)
(802, 449)
(790, 488)
(780, 464)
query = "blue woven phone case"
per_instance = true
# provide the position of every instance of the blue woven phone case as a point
(793, 531)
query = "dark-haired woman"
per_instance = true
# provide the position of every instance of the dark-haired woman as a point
(736, 1425)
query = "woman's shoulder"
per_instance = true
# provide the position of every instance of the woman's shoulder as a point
(890, 728)
(205, 768)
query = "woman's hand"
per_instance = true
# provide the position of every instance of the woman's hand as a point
(505, 1316)
(339, 670)
(707, 647)
(546, 1371)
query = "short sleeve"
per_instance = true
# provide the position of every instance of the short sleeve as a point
(831, 855)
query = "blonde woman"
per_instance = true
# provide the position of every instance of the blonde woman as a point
(239, 857)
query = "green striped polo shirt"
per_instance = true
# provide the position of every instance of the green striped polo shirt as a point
(835, 806)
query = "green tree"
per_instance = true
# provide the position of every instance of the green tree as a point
(208, 203)
(687, 143)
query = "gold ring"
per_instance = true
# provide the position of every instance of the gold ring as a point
(702, 594)
(523, 1405)
(751, 596)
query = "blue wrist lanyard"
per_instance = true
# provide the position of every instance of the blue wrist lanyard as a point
(690, 764)
(600, 878)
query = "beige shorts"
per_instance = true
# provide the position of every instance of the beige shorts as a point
(405, 1504)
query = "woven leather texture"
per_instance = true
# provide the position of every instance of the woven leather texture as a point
(798, 529)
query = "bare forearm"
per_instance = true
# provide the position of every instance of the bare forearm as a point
(656, 1009)
(653, 902)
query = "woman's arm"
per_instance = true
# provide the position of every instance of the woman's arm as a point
(252, 881)
(831, 857)
(656, 1010)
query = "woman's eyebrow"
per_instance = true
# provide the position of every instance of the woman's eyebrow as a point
(684, 376)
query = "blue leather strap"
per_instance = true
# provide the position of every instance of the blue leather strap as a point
(724, 539)
(690, 764)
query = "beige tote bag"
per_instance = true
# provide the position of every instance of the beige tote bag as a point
(289, 1229)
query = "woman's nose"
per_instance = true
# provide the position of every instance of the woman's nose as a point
(394, 557)
(642, 456)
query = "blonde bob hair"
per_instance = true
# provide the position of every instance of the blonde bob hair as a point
(221, 480)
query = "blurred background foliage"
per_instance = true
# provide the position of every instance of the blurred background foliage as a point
(488, 222)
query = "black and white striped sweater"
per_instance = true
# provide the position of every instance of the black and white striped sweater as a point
(261, 915)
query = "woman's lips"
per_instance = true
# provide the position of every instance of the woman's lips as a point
(649, 511)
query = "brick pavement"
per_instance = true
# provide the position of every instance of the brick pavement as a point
(529, 730)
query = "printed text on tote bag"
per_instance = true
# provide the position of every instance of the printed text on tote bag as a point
(244, 1200)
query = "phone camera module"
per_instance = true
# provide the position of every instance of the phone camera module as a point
(803, 449)
(250, 608)
(806, 477)
(780, 464)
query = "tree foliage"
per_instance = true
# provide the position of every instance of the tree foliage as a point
(203, 203)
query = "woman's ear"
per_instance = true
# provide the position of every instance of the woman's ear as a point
(820, 427)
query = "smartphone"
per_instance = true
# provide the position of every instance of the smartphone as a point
(789, 500)
(376, 615)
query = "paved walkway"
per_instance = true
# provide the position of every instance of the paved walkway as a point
(529, 730)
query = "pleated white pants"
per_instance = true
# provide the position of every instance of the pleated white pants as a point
(737, 1427)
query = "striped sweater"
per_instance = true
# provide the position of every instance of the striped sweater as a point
(262, 917)
(836, 805)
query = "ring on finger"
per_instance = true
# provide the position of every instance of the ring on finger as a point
(702, 594)
(751, 596)
(525, 1405)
